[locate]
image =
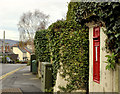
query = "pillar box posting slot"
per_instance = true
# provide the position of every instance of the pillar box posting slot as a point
(96, 54)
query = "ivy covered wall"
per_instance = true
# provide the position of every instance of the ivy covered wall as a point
(67, 40)
(69, 44)
(106, 13)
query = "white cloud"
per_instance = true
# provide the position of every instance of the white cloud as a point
(11, 10)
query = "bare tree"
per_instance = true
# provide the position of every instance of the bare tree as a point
(31, 22)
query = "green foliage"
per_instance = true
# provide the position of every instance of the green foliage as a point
(111, 61)
(17, 61)
(4, 59)
(28, 63)
(103, 12)
(69, 45)
(54, 33)
(42, 46)
(49, 90)
(74, 56)
(66, 42)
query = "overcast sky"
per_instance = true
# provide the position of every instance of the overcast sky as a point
(11, 10)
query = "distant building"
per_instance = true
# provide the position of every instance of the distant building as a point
(23, 53)
(28, 53)
(8, 52)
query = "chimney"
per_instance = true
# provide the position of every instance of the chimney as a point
(2, 48)
(5, 48)
(9, 49)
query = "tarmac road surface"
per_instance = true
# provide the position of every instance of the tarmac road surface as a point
(17, 77)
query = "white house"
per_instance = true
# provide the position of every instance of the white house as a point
(23, 53)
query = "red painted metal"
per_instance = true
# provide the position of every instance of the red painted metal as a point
(96, 54)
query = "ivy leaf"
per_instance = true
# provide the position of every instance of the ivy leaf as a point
(111, 19)
(115, 5)
(107, 56)
(112, 66)
(107, 67)
(117, 49)
(117, 35)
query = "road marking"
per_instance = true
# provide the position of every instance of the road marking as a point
(9, 73)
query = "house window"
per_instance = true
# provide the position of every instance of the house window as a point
(24, 56)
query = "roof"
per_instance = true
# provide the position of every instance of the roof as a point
(22, 49)
(28, 50)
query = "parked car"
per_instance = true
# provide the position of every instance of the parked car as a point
(9, 60)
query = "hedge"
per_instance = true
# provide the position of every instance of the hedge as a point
(42, 46)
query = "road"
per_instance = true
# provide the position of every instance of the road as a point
(5, 68)
(19, 77)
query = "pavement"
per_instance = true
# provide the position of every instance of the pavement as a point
(22, 80)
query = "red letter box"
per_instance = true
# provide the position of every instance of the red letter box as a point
(96, 54)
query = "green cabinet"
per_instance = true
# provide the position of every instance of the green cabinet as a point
(33, 57)
(46, 76)
(34, 66)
